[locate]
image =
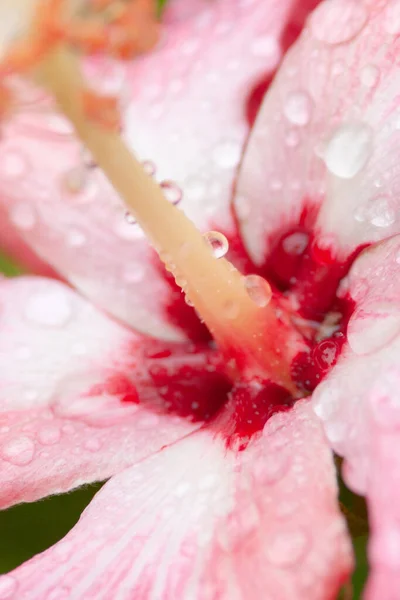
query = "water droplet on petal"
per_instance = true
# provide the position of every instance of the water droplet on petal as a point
(298, 108)
(218, 243)
(266, 47)
(18, 451)
(92, 444)
(326, 353)
(149, 167)
(23, 215)
(13, 165)
(349, 149)
(373, 327)
(258, 289)
(271, 469)
(292, 138)
(171, 191)
(75, 238)
(50, 308)
(378, 211)
(295, 244)
(392, 18)
(338, 21)
(227, 154)
(287, 548)
(369, 76)
(129, 218)
(8, 587)
(75, 180)
(49, 434)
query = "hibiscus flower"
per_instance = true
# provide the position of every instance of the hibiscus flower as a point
(217, 435)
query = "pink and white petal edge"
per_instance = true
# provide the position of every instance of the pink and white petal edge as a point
(202, 522)
(185, 110)
(55, 433)
(359, 405)
(326, 140)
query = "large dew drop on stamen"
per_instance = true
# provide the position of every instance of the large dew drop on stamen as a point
(218, 243)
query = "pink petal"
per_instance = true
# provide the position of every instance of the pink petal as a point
(371, 351)
(68, 401)
(186, 111)
(324, 150)
(202, 522)
(384, 496)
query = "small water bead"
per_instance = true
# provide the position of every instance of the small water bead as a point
(295, 244)
(298, 108)
(348, 149)
(149, 167)
(8, 587)
(392, 18)
(287, 548)
(75, 238)
(14, 164)
(23, 216)
(292, 138)
(18, 451)
(227, 154)
(75, 180)
(49, 435)
(266, 46)
(49, 308)
(217, 242)
(369, 76)
(171, 191)
(338, 21)
(326, 353)
(92, 444)
(258, 289)
(378, 211)
(129, 218)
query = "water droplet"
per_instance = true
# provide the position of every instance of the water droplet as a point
(75, 180)
(392, 18)
(298, 108)
(23, 216)
(326, 353)
(266, 46)
(369, 76)
(292, 138)
(50, 308)
(149, 167)
(378, 211)
(271, 469)
(59, 125)
(373, 327)
(238, 527)
(49, 435)
(258, 289)
(171, 191)
(295, 243)
(14, 164)
(227, 154)
(75, 238)
(287, 548)
(129, 218)
(217, 242)
(349, 149)
(92, 444)
(8, 587)
(338, 21)
(18, 451)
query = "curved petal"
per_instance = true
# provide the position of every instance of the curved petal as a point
(186, 112)
(323, 152)
(73, 393)
(200, 521)
(371, 351)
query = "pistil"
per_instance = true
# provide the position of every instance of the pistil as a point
(247, 323)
